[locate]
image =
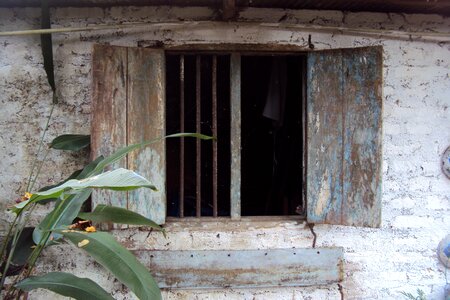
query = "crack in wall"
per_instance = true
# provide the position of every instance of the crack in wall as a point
(341, 291)
(311, 227)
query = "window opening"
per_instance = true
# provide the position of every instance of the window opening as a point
(198, 173)
(271, 176)
(198, 99)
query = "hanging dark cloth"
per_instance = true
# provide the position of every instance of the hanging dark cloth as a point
(281, 198)
(276, 95)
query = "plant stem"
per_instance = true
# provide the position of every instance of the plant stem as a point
(39, 168)
(18, 225)
(4, 246)
(8, 236)
(8, 260)
(17, 231)
(37, 251)
(30, 183)
(41, 143)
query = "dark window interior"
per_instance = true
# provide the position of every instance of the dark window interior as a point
(271, 136)
(223, 134)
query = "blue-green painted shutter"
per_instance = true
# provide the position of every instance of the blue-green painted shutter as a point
(344, 134)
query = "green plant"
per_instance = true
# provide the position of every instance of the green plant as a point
(420, 295)
(23, 245)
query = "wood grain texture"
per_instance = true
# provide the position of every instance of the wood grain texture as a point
(244, 268)
(344, 137)
(324, 137)
(235, 135)
(145, 121)
(128, 107)
(363, 136)
(108, 124)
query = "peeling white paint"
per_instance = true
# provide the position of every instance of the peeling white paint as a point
(324, 195)
(317, 124)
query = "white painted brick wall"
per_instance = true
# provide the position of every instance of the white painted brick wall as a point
(379, 263)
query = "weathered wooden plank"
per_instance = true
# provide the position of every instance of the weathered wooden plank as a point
(244, 268)
(108, 130)
(324, 137)
(145, 121)
(344, 137)
(362, 69)
(235, 134)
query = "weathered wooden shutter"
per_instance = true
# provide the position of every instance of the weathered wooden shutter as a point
(344, 112)
(128, 107)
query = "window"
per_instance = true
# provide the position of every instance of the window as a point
(339, 130)
(198, 99)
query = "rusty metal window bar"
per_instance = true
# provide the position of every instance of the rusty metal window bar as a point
(204, 179)
(198, 178)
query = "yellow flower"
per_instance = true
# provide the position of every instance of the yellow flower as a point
(90, 229)
(25, 197)
(80, 225)
(83, 243)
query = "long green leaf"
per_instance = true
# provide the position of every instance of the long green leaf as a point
(46, 46)
(118, 260)
(119, 154)
(74, 175)
(119, 180)
(24, 247)
(114, 214)
(67, 285)
(62, 215)
(71, 142)
(102, 163)
(87, 170)
(45, 199)
(19, 207)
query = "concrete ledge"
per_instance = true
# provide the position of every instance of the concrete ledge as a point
(244, 268)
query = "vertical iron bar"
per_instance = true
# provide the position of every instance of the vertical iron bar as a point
(214, 133)
(235, 135)
(198, 130)
(181, 211)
